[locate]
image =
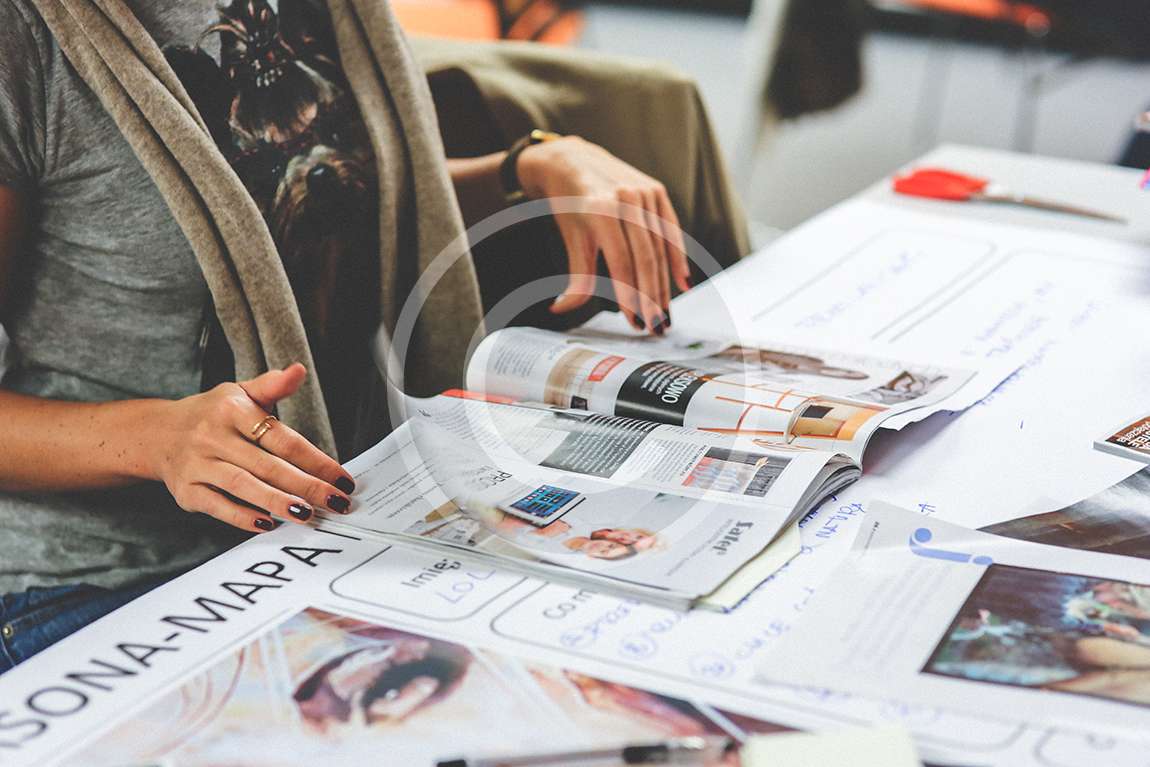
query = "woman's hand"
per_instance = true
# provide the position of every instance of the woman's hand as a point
(206, 457)
(641, 260)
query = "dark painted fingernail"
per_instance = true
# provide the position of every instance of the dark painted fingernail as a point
(346, 484)
(638, 323)
(300, 512)
(265, 523)
(659, 324)
(338, 503)
(667, 322)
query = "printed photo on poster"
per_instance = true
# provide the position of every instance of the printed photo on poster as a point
(319, 679)
(1052, 631)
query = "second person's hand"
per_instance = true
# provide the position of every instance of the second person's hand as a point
(627, 217)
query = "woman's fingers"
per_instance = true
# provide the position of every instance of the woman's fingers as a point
(270, 387)
(267, 389)
(206, 500)
(290, 479)
(673, 236)
(287, 443)
(215, 465)
(290, 445)
(647, 264)
(662, 250)
(581, 260)
(617, 254)
(240, 483)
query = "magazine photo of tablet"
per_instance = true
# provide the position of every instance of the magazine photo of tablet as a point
(543, 505)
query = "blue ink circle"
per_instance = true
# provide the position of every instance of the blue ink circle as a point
(712, 666)
(638, 646)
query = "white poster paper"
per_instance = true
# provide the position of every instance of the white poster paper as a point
(927, 611)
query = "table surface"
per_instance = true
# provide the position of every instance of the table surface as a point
(1108, 188)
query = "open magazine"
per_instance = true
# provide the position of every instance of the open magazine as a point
(1131, 440)
(661, 470)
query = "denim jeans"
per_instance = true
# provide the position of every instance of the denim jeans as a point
(34, 619)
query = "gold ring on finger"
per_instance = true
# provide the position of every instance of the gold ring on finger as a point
(262, 428)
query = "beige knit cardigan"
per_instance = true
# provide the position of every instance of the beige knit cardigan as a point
(419, 216)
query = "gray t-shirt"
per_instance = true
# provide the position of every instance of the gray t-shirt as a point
(109, 304)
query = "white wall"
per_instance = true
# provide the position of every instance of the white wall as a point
(918, 93)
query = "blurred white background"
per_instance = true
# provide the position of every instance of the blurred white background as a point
(918, 92)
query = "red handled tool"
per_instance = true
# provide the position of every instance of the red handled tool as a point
(939, 184)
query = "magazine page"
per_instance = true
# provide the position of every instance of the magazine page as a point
(1130, 439)
(629, 451)
(615, 503)
(767, 394)
(927, 611)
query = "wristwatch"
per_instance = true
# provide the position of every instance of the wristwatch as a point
(509, 168)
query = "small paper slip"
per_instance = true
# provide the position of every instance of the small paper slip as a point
(1130, 440)
(736, 588)
(855, 747)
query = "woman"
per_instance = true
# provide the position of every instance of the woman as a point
(111, 429)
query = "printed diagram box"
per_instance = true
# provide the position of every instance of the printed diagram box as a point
(695, 647)
(1060, 748)
(943, 728)
(425, 584)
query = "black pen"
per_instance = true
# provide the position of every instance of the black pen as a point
(684, 751)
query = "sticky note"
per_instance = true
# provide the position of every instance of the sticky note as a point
(855, 747)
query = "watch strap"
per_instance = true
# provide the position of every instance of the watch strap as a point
(509, 168)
